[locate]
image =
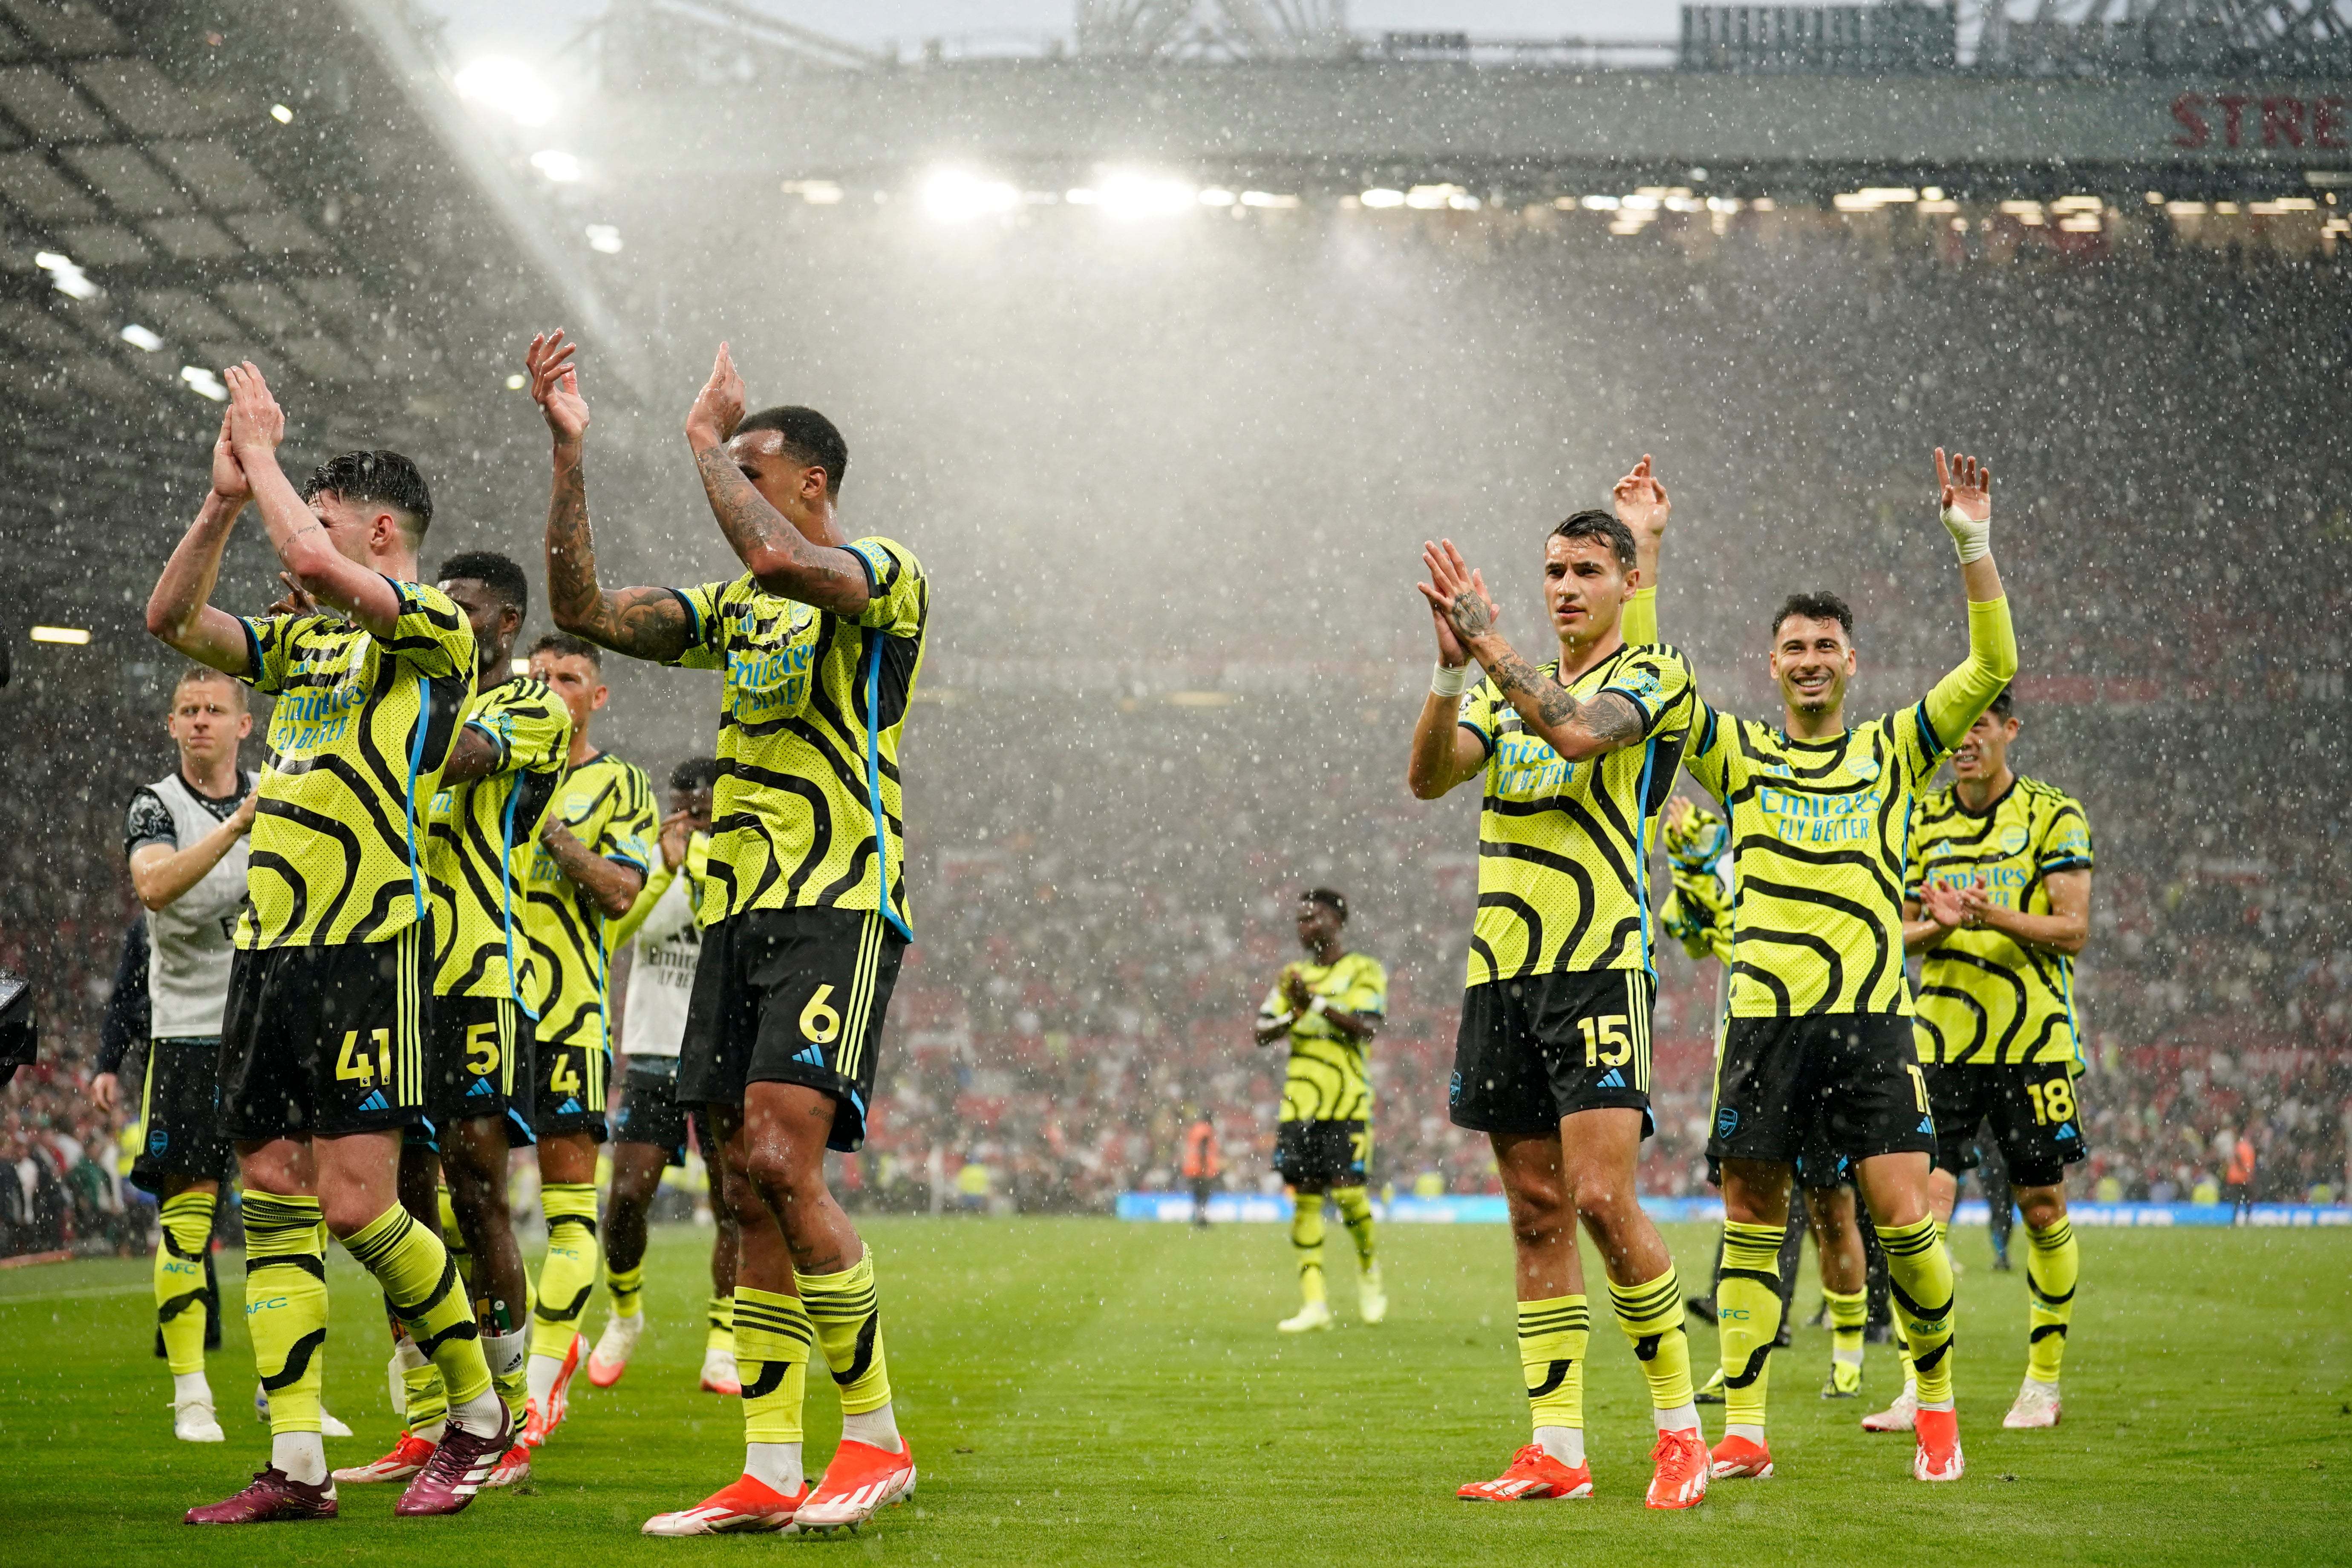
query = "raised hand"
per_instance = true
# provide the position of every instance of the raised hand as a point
(256, 424)
(1966, 486)
(296, 602)
(1641, 501)
(1678, 811)
(718, 407)
(555, 384)
(1457, 596)
(229, 482)
(675, 830)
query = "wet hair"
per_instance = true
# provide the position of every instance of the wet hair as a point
(565, 644)
(695, 773)
(1335, 901)
(493, 571)
(2003, 706)
(1815, 608)
(1601, 526)
(809, 438)
(383, 477)
(191, 673)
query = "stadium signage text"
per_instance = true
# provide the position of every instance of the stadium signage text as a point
(2283, 122)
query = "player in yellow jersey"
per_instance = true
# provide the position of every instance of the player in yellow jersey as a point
(322, 1043)
(1997, 900)
(803, 910)
(1817, 1053)
(649, 1132)
(593, 859)
(499, 785)
(1328, 1009)
(1552, 1060)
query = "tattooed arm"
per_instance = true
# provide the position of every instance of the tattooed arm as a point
(1576, 731)
(781, 558)
(644, 622)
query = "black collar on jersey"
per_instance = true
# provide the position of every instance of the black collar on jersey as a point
(1991, 805)
(216, 802)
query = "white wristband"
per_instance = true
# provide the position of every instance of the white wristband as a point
(1972, 539)
(1320, 1005)
(1446, 680)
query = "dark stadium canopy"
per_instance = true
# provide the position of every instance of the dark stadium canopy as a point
(186, 185)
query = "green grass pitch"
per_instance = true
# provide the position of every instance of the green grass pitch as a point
(1079, 1390)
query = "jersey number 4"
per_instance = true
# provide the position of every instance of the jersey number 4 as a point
(352, 1064)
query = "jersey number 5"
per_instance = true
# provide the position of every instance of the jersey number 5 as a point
(482, 1049)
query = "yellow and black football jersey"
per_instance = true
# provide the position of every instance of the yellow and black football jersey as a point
(608, 804)
(484, 834)
(1697, 914)
(1563, 847)
(1818, 831)
(1326, 1080)
(807, 814)
(357, 740)
(1985, 998)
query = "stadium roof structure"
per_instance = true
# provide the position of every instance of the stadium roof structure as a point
(183, 188)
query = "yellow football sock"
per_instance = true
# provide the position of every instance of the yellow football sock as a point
(1307, 1242)
(1919, 1276)
(1356, 1213)
(420, 1280)
(1848, 1316)
(285, 1305)
(842, 1310)
(772, 1333)
(1552, 1336)
(187, 1224)
(1747, 1314)
(1651, 1314)
(427, 1412)
(568, 1277)
(2051, 1273)
(722, 1325)
(626, 1287)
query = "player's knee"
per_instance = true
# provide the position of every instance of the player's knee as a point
(2041, 1207)
(349, 1213)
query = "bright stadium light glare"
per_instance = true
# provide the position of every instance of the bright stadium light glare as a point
(74, 636)
(604, 239)
(1217, 196)
(1381, 196)
(140, 337)
(509, 87)
(280, 113)
(204, 383)
(1128, 194)
(564, 168)
(958, 195)
(1268, 199)
(67, 274)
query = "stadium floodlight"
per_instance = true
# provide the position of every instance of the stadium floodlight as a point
(140, 337)
(958, 195)
(1428, 198)
(564, 168)
(1603, 204)
(509, 87)
(280, 113)
(74, 636)
(1381, 196)
(817, 192)
(1268, 199)
(204, 383)
(67, 274)
(1888, 196)
(1218, 196)
(1130, 193)
(604, 239)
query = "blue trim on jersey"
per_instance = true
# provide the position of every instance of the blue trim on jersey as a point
(506, 887)
(1641, 846)
(416, 767)
(1927, 729)
(874, 783)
